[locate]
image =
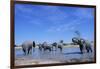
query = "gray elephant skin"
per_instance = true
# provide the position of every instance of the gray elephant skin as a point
(27, 47)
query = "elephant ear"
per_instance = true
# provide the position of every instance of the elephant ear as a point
(33, 43)
(82, 40)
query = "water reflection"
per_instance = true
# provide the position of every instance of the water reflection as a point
(66, 54)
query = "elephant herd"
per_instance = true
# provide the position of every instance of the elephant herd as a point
(50, 47)
(29, 46)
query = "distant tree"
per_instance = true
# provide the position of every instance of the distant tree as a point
(71, 43)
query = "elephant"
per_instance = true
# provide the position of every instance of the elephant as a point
(60, 46)
(40, 47)
(54, 45)
(57, 45)
(27, 47)
(50, 47)
(45, 47)
(82, 44)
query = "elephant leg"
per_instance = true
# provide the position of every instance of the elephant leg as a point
(87, 48)
(90, 49)
(81, 49)
(29, 50)
(50, 49)
(40, 48)
(44, 49)
(60, 48)
(55, 48)
(24, 51)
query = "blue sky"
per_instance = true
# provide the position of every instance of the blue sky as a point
(52, 23)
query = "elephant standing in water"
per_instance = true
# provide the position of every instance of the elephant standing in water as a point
(78, 41)
(27, 47)
(45, 47)
(54, 45)
(82, 44)
(57, 45)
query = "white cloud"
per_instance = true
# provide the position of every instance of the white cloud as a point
(55, 18)
(65, 27)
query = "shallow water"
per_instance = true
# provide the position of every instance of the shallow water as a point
(66, 54)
